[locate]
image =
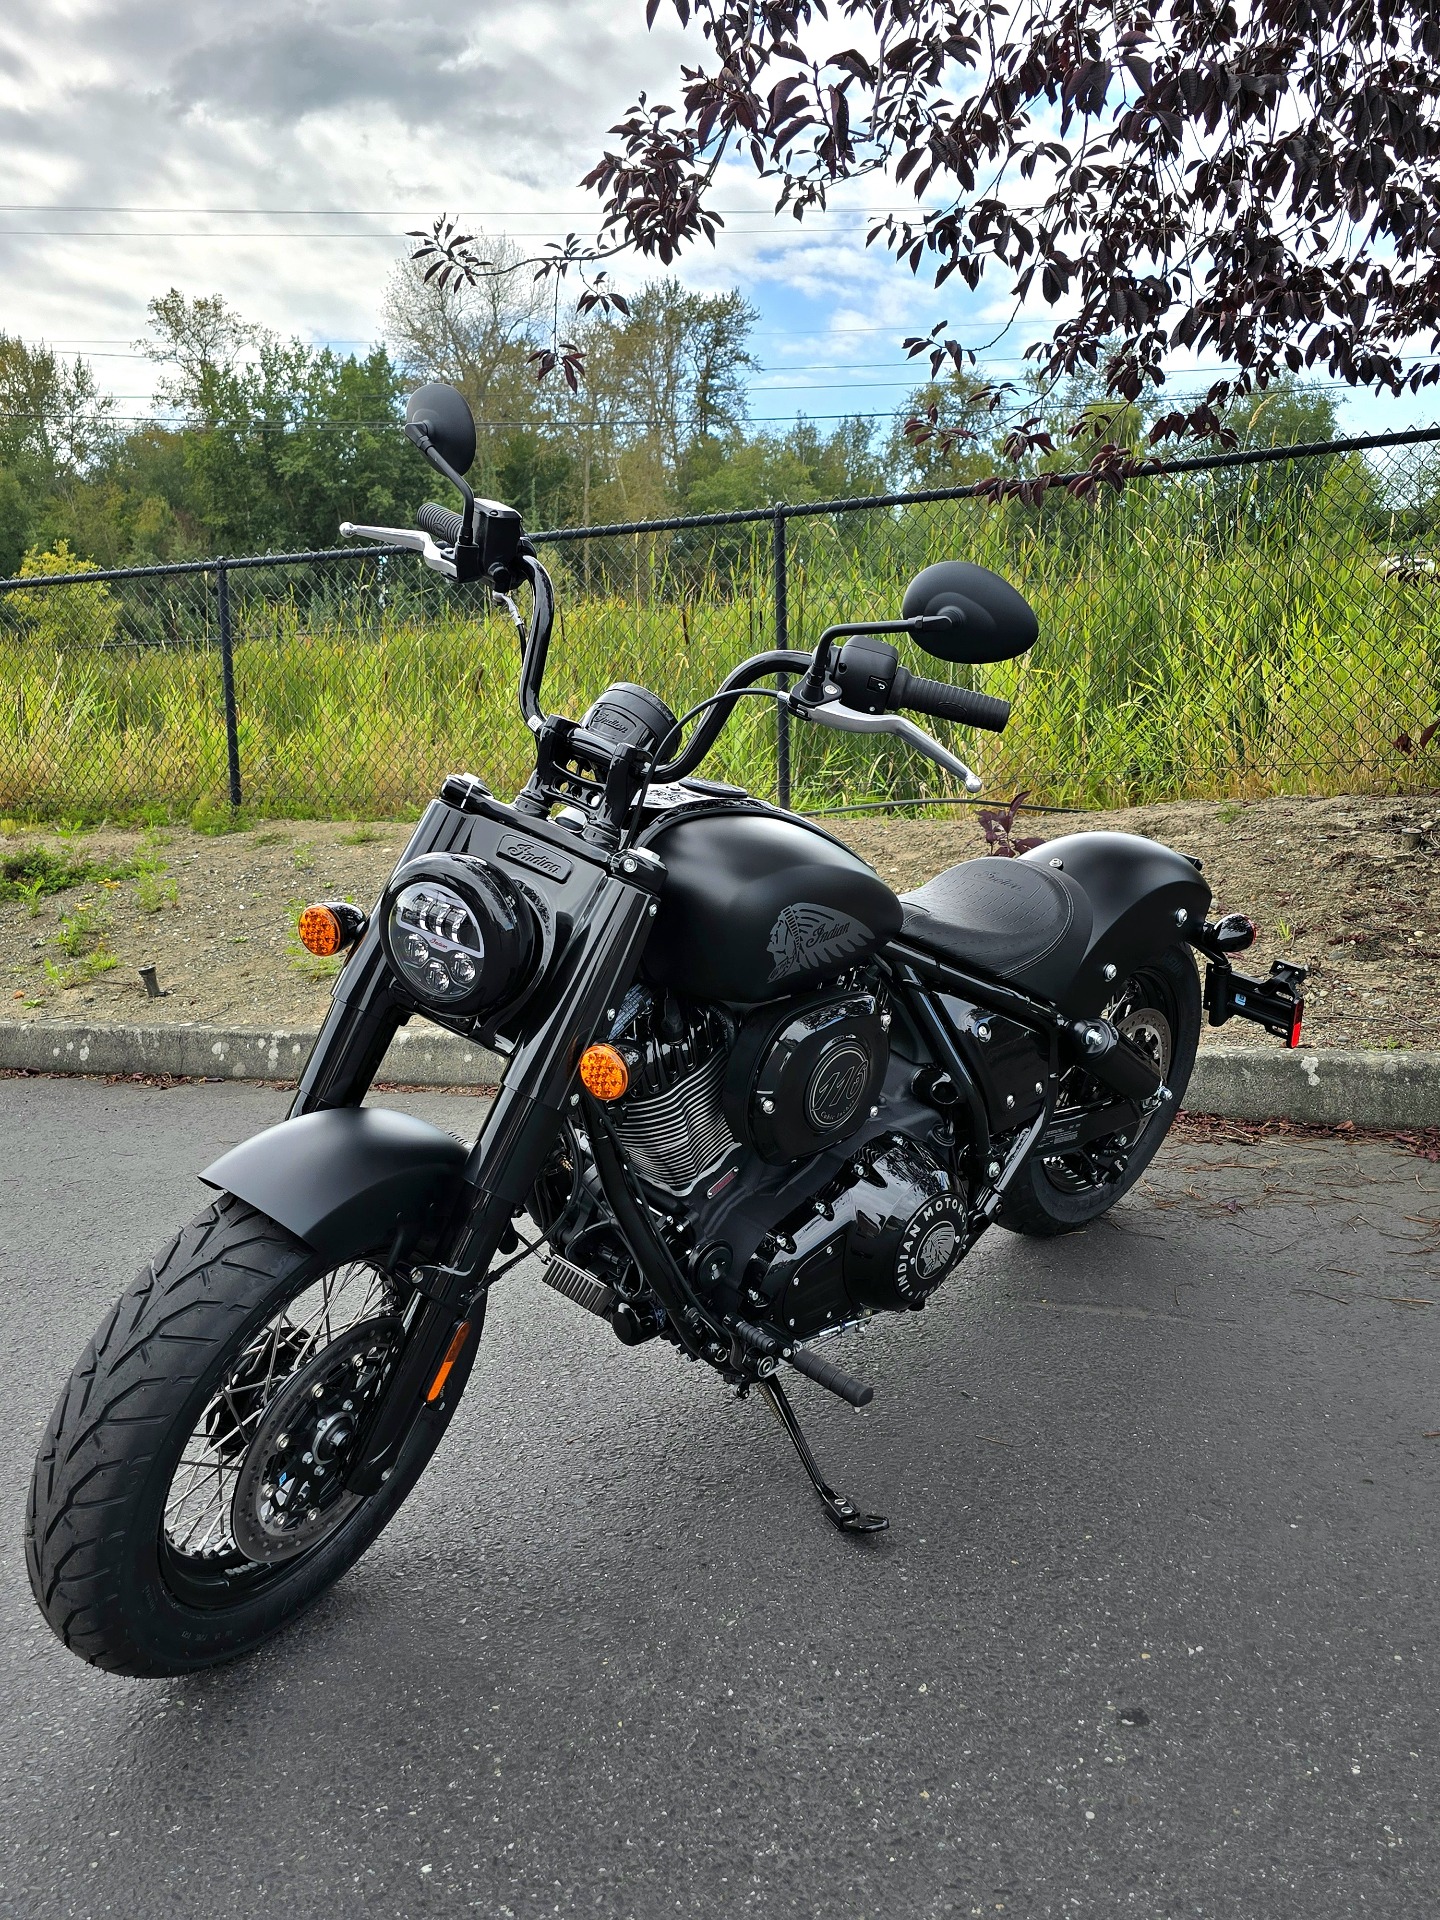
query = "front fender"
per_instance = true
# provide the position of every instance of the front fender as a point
(345, 1179)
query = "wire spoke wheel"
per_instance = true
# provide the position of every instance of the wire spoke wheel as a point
(190, 1495)
(337, 1338)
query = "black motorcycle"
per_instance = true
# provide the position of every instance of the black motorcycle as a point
(750, 1099)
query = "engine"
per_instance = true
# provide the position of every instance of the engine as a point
(883, 1234)
(784, 1083)
(738, 1127)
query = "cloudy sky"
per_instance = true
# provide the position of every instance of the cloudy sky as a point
(275, 151)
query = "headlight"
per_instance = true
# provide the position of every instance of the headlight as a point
(463, 938)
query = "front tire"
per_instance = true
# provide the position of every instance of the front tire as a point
(158, 1538)
(1160, 1009)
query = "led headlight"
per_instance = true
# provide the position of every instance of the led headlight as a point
(462, 937)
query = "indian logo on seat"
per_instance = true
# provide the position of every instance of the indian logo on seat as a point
(807, 938)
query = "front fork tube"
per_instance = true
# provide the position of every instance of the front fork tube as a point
(362, 1020)
(594, 970)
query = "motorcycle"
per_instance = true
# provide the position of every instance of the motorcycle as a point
(750, 1099)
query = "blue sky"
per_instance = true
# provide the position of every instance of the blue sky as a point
(150, 143)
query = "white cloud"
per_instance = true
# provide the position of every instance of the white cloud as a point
(155, 104)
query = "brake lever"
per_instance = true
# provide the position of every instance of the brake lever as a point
(410, 537)
(830, 713)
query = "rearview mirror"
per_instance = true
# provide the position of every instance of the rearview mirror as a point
(976, 615)
(437, 414)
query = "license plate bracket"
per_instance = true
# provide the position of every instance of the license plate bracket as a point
(1276, 1003)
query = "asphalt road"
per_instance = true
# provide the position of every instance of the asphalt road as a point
(1153, 1633)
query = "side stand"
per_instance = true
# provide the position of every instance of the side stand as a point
(844, 1513)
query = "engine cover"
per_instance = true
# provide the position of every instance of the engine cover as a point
(883, 1234)
(804, 1078)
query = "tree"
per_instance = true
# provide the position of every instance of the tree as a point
(201, 341)
(944, 435)
(14, 523)
(298, 439)
(1255, 184)
(479, 335)
(727, 476)
(53, 419)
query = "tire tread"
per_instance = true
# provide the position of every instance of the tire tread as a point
(90, 1443)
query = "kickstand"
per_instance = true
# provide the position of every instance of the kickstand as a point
(845, 1514)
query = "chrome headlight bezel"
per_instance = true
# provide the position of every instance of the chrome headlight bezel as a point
(462, 939)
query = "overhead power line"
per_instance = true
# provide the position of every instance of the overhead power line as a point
(392, 213)
(790, 234)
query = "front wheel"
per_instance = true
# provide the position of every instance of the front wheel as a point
(189, 1495)
(1158, 1010)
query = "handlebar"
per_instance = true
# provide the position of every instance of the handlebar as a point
(867, 688)
(722, 705)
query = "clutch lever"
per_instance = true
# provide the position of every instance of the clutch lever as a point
(410, 537)
(829, 713)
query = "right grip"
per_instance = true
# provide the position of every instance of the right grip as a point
(947, 702)
(440, 523)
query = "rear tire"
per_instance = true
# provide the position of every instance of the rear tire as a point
(134, 1573)
(1063, 1195)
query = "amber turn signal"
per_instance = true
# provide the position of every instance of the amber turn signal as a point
(452, 1354)
(603, 1072)
(330, 926)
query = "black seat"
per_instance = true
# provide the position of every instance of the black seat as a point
(1025, 924)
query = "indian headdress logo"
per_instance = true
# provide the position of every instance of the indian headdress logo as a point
(808, 939)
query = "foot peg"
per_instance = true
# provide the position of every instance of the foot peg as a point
(578, 1285)
(833, 1379)
(842, 1512)
(769, 1348)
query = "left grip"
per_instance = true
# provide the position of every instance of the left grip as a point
(440, 523)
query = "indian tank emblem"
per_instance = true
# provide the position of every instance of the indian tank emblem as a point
(807, 938)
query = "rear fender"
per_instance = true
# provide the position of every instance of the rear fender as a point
(347, 1180)
(1142, 896)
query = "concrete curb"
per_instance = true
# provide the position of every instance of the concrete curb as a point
(421, 1056)
(1323, 1087)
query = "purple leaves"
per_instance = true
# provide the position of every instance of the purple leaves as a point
(998, 824)
(1257, 185)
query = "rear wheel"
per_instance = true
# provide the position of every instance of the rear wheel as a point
(189, 1494)
(1158, 1010)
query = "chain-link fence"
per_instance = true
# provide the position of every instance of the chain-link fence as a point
(1231, 625)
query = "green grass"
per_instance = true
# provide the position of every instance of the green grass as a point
(1176, 659)
(37, 871)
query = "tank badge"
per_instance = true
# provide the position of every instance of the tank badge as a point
(808, 938)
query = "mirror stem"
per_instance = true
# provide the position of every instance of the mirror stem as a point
(458, 481)
(811, 690)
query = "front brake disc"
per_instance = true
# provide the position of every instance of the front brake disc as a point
(291, 1489)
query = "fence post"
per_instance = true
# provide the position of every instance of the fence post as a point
(227, 681)
(782, 640)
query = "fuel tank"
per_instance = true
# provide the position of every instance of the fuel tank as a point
(756, 905)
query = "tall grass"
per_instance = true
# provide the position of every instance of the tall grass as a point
(1184, 652)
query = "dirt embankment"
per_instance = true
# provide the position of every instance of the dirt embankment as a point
(1349, 887)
